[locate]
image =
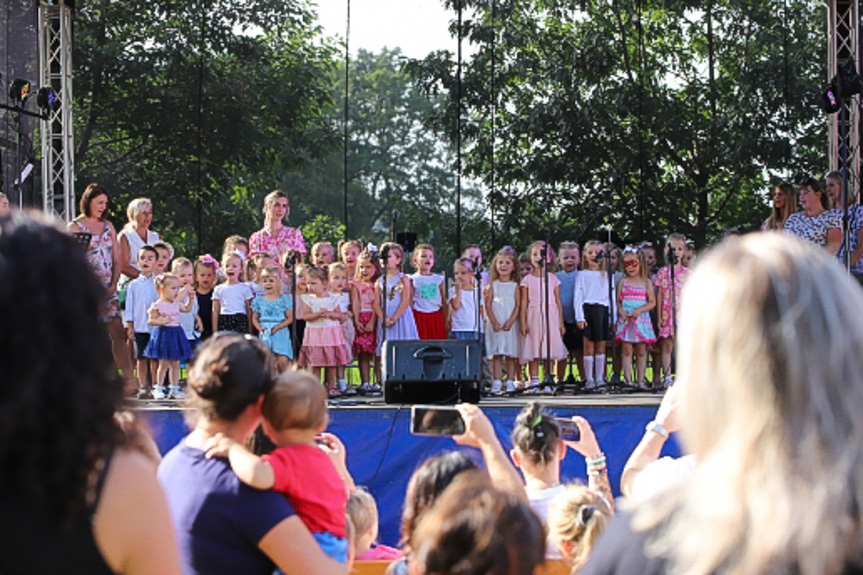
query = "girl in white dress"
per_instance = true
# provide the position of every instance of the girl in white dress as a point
(502, 304)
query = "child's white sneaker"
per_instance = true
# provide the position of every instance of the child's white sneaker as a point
(495, 387)
(177, 393)
(160, 392)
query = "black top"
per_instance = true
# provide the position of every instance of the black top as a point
(205, 311)
(32, 541)
(620, 551)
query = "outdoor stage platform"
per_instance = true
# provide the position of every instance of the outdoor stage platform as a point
(382, 453)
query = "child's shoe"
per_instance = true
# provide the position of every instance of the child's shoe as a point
(509, 386)
(176, 392)
(160, 392)
(495, 387)
(144, 393)
(333, 392)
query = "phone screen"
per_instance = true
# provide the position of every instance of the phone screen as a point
(436, 420)
(568, 429)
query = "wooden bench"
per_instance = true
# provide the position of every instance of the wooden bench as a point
(378, 567)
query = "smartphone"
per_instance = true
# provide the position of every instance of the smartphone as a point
(568, 429)
(436, 420)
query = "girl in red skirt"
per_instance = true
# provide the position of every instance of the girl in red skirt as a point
(362, 306)
(429, 300)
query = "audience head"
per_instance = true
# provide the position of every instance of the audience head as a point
(771, 383)
(296, 401)
(576, 518)
(55, 356)
(536, 438)
(230, 373)
(475, 529)
(427, 483)
(363, 512)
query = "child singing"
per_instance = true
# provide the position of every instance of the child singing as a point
(502, 306)
(429, 303)
(592, 310)
(635, 299)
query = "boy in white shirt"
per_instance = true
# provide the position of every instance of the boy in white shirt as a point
(140, 295)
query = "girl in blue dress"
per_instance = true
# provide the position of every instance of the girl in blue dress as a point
(272, 314)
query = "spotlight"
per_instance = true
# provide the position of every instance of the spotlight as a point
(47, 98)
(846, 83)
(19, 91)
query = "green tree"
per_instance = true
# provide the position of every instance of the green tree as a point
(203, 106)
(656, 116)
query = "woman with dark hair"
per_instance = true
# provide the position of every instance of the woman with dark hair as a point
(816, 223)
(68, 470)
(477, 529)
(784, 204)
(275, 238)
(224, 526)
(104, 257)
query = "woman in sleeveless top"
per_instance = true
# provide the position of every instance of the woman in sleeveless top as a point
(64, 491)
(104, 258)
(135, 235)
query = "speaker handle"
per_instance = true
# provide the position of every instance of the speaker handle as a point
(432, 353)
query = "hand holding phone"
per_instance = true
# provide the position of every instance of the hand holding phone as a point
(436, 420)
(568, 429)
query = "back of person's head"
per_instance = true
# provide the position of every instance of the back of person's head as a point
(363, 512)
(536, 435)
(476, 529)
(771, 378)
(297, 400)
(229, 373)
(427, 483)
(576, 518)
(59, 387)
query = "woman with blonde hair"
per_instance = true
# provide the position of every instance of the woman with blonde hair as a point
(784, 204)
(275, 238)
(577, 517)
(135, 235)
(771, 390)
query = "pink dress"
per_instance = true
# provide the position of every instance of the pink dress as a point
(323, 342)
(663, 286)
(285, 239)
(100, 256)
(533, 345)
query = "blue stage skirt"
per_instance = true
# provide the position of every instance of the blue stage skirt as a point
(168, 343)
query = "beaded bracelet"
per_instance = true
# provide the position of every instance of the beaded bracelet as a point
(597, 470)
(596, 462)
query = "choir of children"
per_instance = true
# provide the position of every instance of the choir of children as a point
(539, 310)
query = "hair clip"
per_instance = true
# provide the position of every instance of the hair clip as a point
(630, 250)
(240, 255)
(585, 512)
(645, 245)
(371, 248)
(209, 260)
(537, 430)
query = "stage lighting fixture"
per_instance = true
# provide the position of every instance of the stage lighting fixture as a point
(19, 91)
(846, 83)
(47, 98)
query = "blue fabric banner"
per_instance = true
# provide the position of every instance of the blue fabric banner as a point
(382, 453)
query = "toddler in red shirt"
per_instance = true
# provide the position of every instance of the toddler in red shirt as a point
(295, 415)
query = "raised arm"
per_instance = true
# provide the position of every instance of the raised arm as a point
(480, 433)
(594, 459)
(648, 449)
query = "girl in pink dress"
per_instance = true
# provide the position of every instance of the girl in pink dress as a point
(324, 343)
(535, 333)
(668, 298)
(363, 309)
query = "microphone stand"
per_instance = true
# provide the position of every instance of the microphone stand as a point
(385, 253)
(608, 386)
(292, 260)
(672, 261)
(548, 379)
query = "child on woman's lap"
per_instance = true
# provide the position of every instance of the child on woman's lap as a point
(295, 414)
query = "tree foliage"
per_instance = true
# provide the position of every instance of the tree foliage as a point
(649, 116)
(203, 106)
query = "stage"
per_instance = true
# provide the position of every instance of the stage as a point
(382, 453)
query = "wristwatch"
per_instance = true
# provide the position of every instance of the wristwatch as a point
(656, 428)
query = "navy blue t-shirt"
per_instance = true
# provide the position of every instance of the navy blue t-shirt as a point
(218, 520)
